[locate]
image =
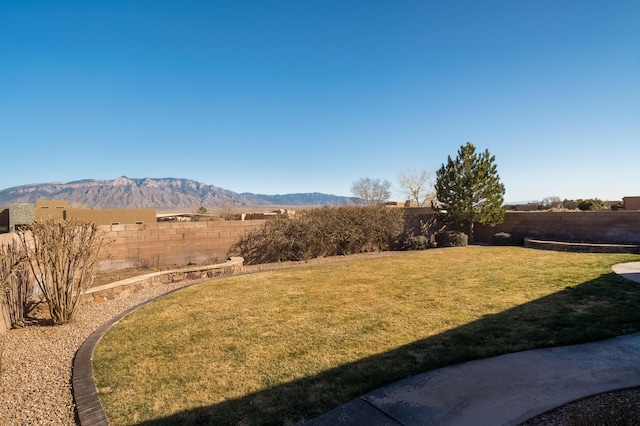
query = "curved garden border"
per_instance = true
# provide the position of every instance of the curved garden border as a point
(88, 407)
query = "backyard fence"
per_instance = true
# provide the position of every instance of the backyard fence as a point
(169, 244)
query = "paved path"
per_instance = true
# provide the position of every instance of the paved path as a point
(504, 390)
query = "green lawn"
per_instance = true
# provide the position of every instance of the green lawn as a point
(280, 347)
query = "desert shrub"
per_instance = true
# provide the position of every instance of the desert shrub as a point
(16, 287)
(591, 204)
(418, 242)
(503, 239)
(327, 231)
(618, 205)
(452, 239)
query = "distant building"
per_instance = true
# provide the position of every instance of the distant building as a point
(631, 203)
(18, 215)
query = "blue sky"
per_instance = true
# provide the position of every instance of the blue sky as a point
(307, 96)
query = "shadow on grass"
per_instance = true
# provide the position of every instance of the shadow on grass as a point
(598, 309)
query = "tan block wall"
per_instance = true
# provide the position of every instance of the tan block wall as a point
(167, 244)
(606, 226)
(162, 244)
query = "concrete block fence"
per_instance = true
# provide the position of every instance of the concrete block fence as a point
(162, 244)
(165, 244)
(606, 226)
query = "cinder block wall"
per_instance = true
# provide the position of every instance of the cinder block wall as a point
(168, 244)
(590, 226)
(621, 226)
(164, 244)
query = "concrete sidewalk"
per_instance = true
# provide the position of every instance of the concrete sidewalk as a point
(504, 390)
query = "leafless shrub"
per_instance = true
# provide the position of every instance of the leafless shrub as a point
(327, 231)
(62, 255)
(16, 286)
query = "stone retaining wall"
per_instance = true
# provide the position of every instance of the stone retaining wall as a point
(123, 288)
(581, 247)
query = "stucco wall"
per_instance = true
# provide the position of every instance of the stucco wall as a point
(53, 209)
(109, 216)
(631, 203)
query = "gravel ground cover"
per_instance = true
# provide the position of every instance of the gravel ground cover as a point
(621, 408)
(36, 362)
(35, 376)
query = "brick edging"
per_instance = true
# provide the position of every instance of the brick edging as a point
(89, 409)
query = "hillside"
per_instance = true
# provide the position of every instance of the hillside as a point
(159, 193)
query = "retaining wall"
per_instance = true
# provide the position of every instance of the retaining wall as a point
(123, 288)
(581, 247)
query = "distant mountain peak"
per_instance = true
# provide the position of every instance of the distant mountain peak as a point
(159, 193)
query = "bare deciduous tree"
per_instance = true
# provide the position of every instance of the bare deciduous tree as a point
(63, 256)
(550, 202)
(227, 210)
(372, 191)
(417, 186)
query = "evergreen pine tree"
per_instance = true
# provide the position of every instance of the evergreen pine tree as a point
(468, 190)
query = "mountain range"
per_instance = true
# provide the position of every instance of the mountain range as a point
(158, 193)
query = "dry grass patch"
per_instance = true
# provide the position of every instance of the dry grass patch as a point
(284, 346)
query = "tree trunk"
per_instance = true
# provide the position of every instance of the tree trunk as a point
(470, 232)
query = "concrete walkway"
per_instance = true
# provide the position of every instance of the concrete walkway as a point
(504, 390)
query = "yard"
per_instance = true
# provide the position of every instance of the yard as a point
(284, 346)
